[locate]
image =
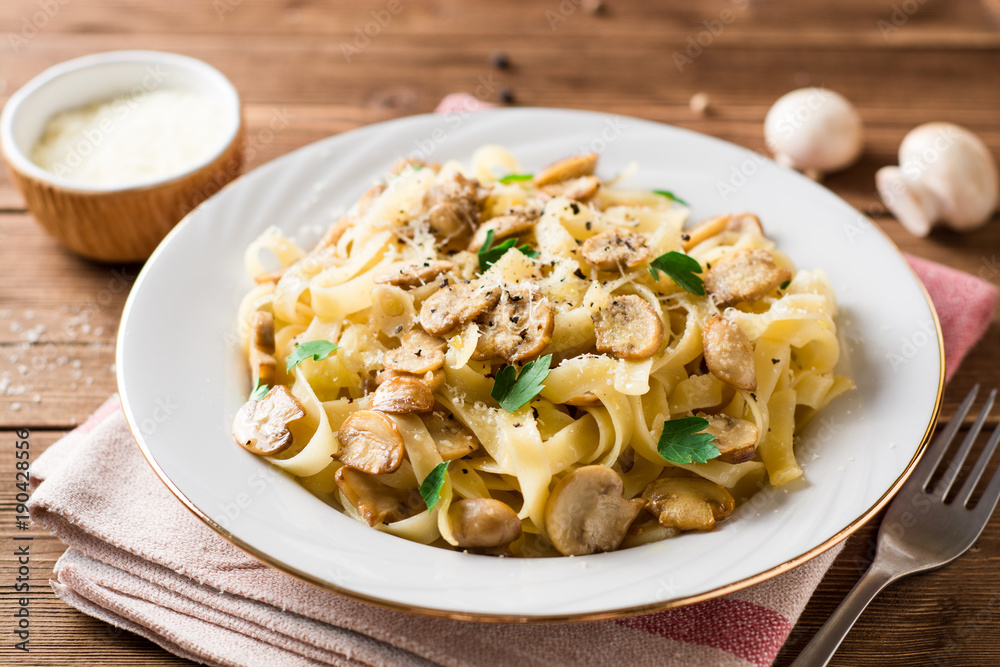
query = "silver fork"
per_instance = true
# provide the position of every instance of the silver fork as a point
(920, 531)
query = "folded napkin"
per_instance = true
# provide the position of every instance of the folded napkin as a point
(140, 561)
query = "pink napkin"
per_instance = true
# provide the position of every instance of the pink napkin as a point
(140, 561)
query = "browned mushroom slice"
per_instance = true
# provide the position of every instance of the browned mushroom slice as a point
(515, 220)
(402, 396)
(262, 426)
(419, 353)
(706, 229)
(456, 304)
(728, 354)
(369, 441)
(376, 501)
(433, 379)
(412, 274)
(452, 439)
(574, 167)
(578, 189)
(688, 503)
(744, 275)
(453, 211)
(517, 328)
(262, 362)
(615, 249)
(628, 328)
(736, 438)
(483, 522)
(586, 512)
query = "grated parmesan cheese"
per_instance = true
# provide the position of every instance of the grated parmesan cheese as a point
(129, 140)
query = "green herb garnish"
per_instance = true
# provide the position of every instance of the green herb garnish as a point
(682, 441)
(430, 488)
(671, 196)
(489, 256)
(682, 269)
(259, 393)
(514, 178)
(317, 350)
(785, 284)
(513, 391)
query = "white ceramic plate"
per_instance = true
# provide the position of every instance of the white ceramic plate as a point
(182, 378)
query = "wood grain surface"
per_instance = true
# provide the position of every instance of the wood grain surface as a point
(903, 62)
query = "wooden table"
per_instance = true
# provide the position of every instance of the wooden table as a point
(902, 62)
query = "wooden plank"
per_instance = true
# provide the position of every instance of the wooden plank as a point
(816, 23)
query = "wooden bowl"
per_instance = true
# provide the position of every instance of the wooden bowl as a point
(115, 224)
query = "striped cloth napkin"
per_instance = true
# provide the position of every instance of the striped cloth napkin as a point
(140, 561)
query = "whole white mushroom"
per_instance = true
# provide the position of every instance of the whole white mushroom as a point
(814, 130)
(946, 175)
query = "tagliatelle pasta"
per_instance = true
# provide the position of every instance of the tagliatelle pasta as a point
(533, 364)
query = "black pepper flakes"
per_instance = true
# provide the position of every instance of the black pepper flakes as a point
(775, 361)
(753, 396)
(576, 210)
(589, 225)
(685, 237)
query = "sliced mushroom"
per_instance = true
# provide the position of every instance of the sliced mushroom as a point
(369, 441)
(453, 211)
(615, 249)
(262, 426)
(688, 503)
(413, 274)
(647, 532)
(744, 275)
(577, 189)
(706, 229)
(574, 167)
(433, 379)
(628, 328)
(483, 523)
(456, 304)
(376, 501)
(736, 438)
(419, 353)
(515, 220)
(517, 328)
(586, 512)
(728, 354)
(402, 396)
(452, 439)
(262, 362)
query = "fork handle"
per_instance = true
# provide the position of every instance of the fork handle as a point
(818, 652)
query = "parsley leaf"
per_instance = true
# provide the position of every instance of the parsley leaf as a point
(671, 196)
(682, 269)
(785, 284)
(489, 256)
(259, 393)
(513, 178)
(513, 391)
(318, 350)
(682, 441)
(430, 488)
